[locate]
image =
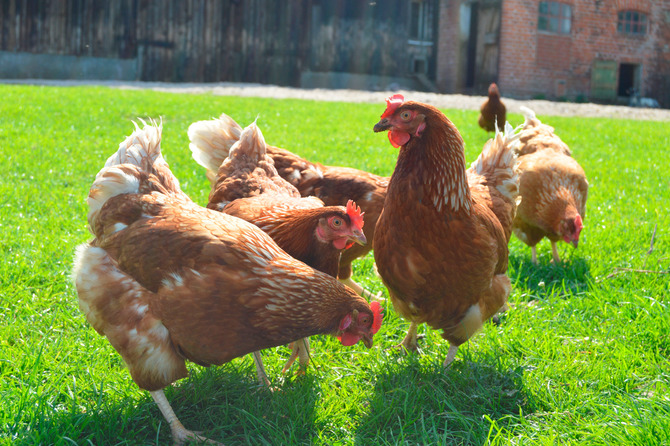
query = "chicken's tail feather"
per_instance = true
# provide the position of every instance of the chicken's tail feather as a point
(497, 161)
(530, 117)
(212, 140)
(143, 149)
(251, 144)
(136, 167)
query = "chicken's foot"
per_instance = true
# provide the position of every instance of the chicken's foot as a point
(362, 291)
(179, 433)
(299, 349)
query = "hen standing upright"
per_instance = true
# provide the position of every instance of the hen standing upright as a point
(166, 280)
(335, 186)
(493, 111)
(440, 247)
(248, 186)
(553, 188)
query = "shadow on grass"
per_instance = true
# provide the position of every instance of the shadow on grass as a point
(225, 404)
(571, 277)
(425, 404)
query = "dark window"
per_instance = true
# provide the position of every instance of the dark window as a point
(554, 17)
(632, 22)
(420, 16)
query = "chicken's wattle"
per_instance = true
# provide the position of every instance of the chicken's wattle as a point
(340, 243)
(398, 138)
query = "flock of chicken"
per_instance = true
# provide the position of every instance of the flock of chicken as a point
(166, 280)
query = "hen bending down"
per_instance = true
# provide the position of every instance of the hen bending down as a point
(248, 186)
(166, 280)
(553, 188)
(335, 186)
(441, 240)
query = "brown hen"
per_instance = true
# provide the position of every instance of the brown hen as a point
(493, 111)
(440, 246)
(335, 186)
(248, 186)
(166, 280)
(553, 189)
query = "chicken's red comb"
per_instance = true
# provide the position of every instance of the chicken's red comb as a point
(355, 214)
(392, 104)
(377, 316)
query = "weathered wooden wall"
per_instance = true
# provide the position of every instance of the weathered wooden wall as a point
(72, 27)
(360, 37)
(249, 41)
(263, 41)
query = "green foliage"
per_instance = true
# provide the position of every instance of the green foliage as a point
(581, 357)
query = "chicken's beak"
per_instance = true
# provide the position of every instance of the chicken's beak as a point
(367, 340)
(382, 125)
(575, 242)
(359, 237)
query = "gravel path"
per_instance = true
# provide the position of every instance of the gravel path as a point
(458, 101)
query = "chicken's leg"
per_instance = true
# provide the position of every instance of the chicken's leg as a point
(533, 252)
(260, 370)
(179, 433)
(554, 253)
(410, 342)
(450, 355)
(362, 291)
(299, 349)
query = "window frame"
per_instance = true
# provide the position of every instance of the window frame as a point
(553, 16)
(636, 19)
(420, 19)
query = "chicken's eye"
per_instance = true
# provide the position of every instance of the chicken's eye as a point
(336, 222)
(406, 115)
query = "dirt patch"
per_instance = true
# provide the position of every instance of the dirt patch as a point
(458, 101)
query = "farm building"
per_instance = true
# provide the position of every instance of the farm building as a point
(569, 49)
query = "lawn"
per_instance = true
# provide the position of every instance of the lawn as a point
(581, 357)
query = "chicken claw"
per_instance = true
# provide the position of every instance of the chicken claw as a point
(179, 433)
(299, 349)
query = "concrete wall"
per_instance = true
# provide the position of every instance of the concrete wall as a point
(56, 66)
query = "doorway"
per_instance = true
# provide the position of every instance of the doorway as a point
(629, 80)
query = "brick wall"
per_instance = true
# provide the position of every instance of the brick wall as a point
(448, 67)
(534, 63)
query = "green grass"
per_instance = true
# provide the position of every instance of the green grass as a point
(579, 359)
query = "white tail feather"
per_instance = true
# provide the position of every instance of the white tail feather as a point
(531, 118)
(110, 182)
(212, 140)
(497, 161)
(142, 150)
